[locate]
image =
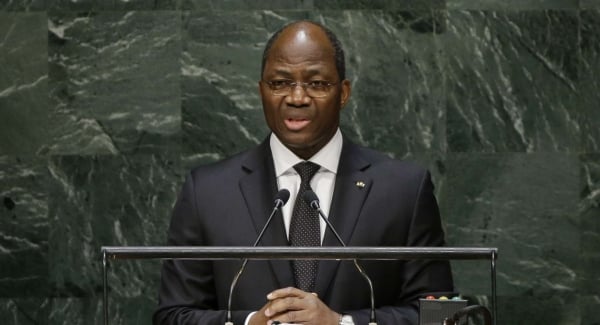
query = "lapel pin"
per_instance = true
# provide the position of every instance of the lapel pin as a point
(360, 184)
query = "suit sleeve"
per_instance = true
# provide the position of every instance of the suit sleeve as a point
(419, 277)
(187, 292)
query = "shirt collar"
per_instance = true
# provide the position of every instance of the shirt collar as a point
(328, 157)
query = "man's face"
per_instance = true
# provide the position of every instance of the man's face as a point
(303, 53)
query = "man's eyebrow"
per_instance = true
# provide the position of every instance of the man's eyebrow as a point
(314, 70)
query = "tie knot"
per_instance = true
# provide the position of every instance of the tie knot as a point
(307, 170)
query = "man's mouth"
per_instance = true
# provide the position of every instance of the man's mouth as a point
(296, 124)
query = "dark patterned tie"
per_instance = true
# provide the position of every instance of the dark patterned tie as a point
(304, 228)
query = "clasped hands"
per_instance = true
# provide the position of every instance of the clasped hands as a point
(294, 306)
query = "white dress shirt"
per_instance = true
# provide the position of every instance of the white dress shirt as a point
(322, 183)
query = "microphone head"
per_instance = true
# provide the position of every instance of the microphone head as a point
(311, 199)
(282, 197)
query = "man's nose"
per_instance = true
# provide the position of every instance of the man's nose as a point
(298, 95)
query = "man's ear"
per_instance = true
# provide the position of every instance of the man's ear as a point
(346, 91)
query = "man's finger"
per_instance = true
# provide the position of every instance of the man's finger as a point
(285, 292)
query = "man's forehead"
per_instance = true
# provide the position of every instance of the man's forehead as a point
(302, 34)
(301, 46)
(302, 28)
(309, 62)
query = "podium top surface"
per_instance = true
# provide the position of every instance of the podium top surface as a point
(287, 252)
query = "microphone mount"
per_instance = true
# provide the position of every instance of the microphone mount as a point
(313, 201)
(281, 199)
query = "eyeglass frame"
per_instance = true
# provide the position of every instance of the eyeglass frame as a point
(290, 86)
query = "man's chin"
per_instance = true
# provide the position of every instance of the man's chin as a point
(293, 145)
(300, 147)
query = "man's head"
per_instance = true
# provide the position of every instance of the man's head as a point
(340, 60)
(305, 115)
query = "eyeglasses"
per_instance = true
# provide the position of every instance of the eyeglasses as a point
(315, 88)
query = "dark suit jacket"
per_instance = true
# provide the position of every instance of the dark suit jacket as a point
(227, 204)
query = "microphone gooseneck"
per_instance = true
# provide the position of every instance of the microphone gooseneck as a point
(280, 200)
(313, 201)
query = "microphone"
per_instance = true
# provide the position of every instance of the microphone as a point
(280, 200)
(313, 201)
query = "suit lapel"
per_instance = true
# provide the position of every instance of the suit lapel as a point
(258, 188)
(352, 187)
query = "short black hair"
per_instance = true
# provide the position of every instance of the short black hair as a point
(340, 61)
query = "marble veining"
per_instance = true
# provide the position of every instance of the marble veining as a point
(510, 89)
(113, 91)
(23, 227)
(23, 82)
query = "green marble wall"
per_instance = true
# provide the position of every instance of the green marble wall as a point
(104, 105)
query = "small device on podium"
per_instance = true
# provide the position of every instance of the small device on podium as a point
(433, 310)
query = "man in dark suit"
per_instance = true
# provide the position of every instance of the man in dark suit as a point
(370, 199)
